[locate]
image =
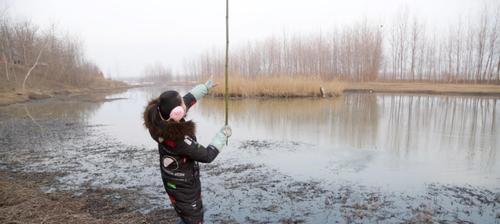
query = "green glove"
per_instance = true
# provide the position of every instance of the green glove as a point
(202, 89)
(221, 137)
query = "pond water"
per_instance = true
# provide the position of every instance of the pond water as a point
(361, 157)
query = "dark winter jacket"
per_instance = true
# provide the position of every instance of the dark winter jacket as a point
(177, 145)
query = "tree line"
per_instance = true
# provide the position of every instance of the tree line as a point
(405, 50)
(28, 51)
(157, 73)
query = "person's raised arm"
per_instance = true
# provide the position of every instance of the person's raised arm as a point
(198, 92)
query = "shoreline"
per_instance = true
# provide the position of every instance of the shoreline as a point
(13, 97)
(425, 88)
(340, 88)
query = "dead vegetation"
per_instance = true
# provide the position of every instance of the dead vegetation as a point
(22, 201)
(404, 52)
(39, 63)
(279, 86)
(285, 86)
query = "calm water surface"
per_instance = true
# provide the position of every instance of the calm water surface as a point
(387, 140)
(393, 143)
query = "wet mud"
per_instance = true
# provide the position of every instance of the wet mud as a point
(256, 194)
(23, 201)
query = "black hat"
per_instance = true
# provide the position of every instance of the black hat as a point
(167, 102)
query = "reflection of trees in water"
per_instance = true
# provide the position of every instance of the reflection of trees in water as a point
(356, 122)
(42, 122)
(289, 119)
(76, 110)
(39, 131)
(453, 125)
(347, 119)
(408, 125)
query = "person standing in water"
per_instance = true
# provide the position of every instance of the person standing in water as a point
(180, 154)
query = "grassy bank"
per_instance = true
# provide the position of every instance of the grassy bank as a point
(278, 87)
(39, 88)
(310, 87)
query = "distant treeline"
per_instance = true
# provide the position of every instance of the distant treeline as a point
(406, 50)
(157, 73)
(27, 52)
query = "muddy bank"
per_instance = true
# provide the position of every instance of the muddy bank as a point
(251, 194)
(21, 97)
(23, 201)
(424, 88)
(256, 193)
(106, 88)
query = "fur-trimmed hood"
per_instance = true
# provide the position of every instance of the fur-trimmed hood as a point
(166, 129)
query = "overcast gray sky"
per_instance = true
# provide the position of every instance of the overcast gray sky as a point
(122, 36)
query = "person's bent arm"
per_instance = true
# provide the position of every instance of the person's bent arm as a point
(190, 148)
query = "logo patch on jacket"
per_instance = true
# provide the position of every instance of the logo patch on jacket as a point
(171, 185)
(188, 140)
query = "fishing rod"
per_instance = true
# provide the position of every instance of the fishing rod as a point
(226, 72)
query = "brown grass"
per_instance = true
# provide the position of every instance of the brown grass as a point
(285, 86)
(22, 201)
(42, 88)
(279, 86)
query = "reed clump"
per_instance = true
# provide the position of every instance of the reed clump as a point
(279, 86)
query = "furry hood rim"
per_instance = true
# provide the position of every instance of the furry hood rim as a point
(166, 129)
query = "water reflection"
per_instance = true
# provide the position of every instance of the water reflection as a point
(447, 126)
(36, 120)
(360, 120)
(317, 121)
(456, 135)
(43, 109)
(395, 143)
(358, 137)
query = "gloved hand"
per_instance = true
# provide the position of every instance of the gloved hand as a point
(221, 137)
(202, 89)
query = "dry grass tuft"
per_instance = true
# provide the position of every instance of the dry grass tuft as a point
(304, 86)
(278, 86)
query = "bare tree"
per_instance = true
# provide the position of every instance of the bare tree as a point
(493, 39)
(468, 52)
(481, 43)
(25, 48)
(34, 65)
(158, 73)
